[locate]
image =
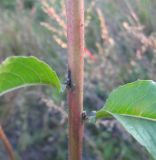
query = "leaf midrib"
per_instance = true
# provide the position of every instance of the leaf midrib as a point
(130, 115)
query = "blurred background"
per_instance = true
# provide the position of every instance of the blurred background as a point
(120, 48)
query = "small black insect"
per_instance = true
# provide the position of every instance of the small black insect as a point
(69, 83)
(84, 116)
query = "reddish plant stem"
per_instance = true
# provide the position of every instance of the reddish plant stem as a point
(7, 144)
(75, 36)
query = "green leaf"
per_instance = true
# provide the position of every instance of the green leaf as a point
(134, 105)
(20, 71)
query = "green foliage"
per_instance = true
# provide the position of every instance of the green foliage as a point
(21, 34)
(134, 106)
(16, 72)
(11, 4)
(29, 4)
(8, 4)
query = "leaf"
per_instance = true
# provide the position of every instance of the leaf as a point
(134, 105)
(20, 71)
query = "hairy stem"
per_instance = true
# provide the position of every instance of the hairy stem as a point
(7, 144)
(75, 35)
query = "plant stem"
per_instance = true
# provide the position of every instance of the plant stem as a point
(7, 144)
(75, 35)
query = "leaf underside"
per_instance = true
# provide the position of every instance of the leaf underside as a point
(21, 71)
(134, 106)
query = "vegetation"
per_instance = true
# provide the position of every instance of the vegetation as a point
(116, 53)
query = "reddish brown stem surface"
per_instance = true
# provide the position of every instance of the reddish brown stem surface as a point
(7, 144)
(75, 35)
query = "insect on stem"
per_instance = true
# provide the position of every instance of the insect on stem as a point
(84, 116)
(69, 82)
